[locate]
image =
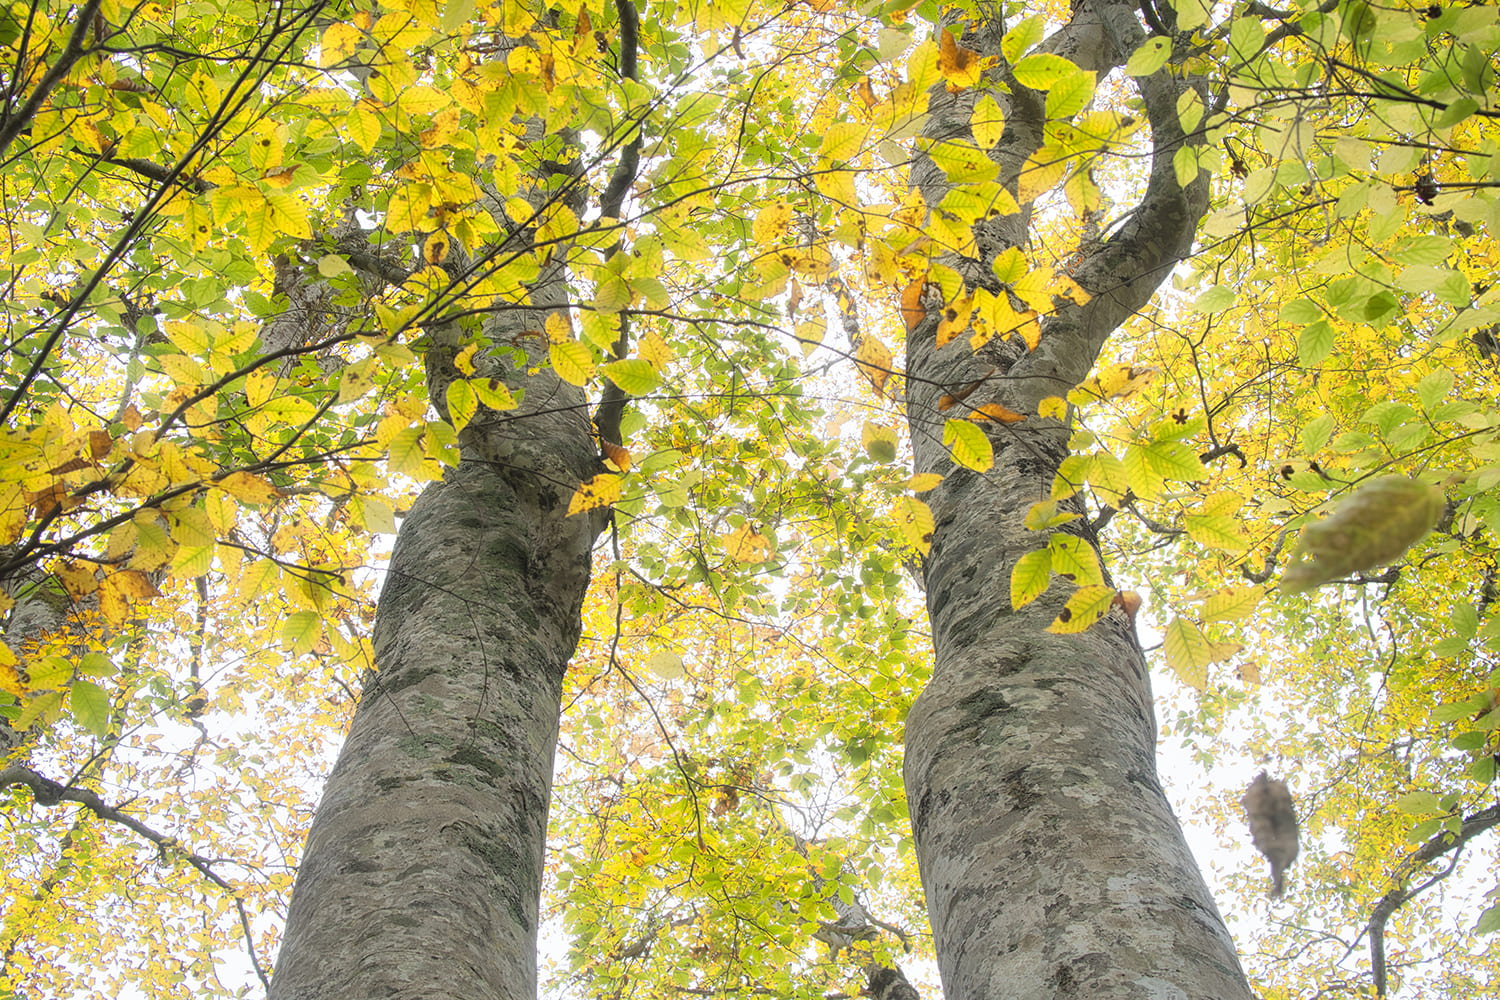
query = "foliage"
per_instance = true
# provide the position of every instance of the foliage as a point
(232, 231)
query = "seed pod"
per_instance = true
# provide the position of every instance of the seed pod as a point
(1374, 525)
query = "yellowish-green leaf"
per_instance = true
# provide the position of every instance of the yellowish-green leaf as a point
(463, 403)
(1151, 56)
(1031, 577)
(1189, 652)
(1230, 604)
(90, 706)
(987, 122)
(573, 361)
(601, 491)
(1084, 608)
(634, 376)
(1074, 559)
(878, 441)
(969, 445)
(914, 520)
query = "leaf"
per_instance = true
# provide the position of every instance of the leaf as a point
(1026, 33)
(969, 445)
(90, 706)
(463, 403)
(1418, 803)
(1030, 577)
(1074, 559)
(1084, 608)
(987, 122)
(923, 481)
(1150, 56)
(1189, 652)
(1230, 604)
(634, 376)
(665, 664)
(745, 544)
(573, 361)
(914, 519)
(602, 490)
(1372, 526)
(1041, 70)
(879, 442)
(960, 67)
(1314, 344)
(1070, 94)
(301, 632)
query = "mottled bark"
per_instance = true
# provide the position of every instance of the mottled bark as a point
(422, 873)
(1051, 860)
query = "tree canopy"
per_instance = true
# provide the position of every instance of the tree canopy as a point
(244, 241)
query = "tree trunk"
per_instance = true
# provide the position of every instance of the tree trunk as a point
(1051, 860)
(422, 873)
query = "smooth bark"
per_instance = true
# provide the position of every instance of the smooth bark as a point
(422, 873)
(1051, 860)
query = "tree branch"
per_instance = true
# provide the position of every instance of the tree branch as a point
(49, 793)
(12, 125)
(612, 400)
(1392, 901)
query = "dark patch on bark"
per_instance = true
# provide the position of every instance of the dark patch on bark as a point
(393, 684)
(981, 705)
(389, 784)
(509, 874)
(924, 810)
(471, 757)
(1062, 980)
(1021, 792)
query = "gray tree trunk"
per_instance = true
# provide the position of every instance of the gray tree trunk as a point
(1051, 860)
(422, 873)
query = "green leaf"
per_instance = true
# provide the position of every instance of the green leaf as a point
(1074, 559)
(1314, 344)
(970, 447)
(573, 361)
(1417, 803)
(1317, 432)
(1151, 56)
(1434, 387)
(1023, 36)
(90, 706)
(1070, 94)
(1041, 70)
(634, 376)
(1489, 921)
(1030, 578)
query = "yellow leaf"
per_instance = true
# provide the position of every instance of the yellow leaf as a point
(573, 361)
(1084, 608)
(874, 361)
(1053, 406)
(961, 67)
(250, 489)
(923, 481)
(914, 519)
(745, 544)
(770, 224)
(1189, 652)
(987, 121)
(601, 491)
(1030, 577)
(1231, 604)
(462, 403)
